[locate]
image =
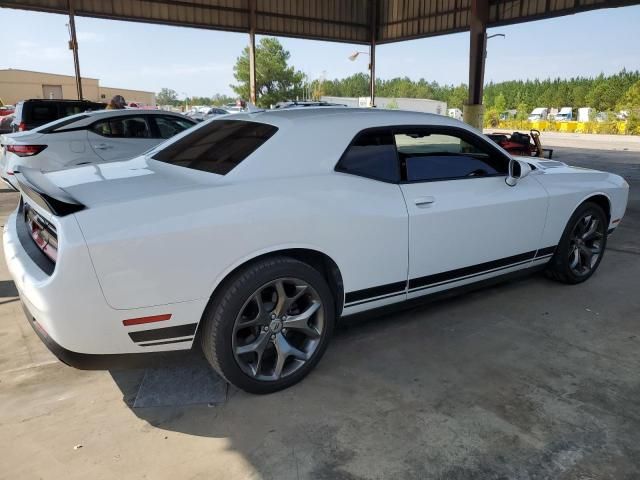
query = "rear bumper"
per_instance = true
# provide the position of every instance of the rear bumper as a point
(88, 361)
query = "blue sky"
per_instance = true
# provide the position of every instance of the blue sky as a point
(200, 62)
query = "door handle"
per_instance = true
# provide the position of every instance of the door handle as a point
(424, 201)
(101, 146)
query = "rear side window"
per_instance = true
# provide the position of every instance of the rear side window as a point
(217, 147)
(123, 127)
(372, 154)
(43, 112)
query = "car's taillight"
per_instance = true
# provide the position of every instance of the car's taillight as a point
(22, 127)
(25, 150)
(43, 233)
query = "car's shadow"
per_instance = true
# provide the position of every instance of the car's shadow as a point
(516, 377)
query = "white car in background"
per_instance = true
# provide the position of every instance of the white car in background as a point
(91, 137)
(254, 233)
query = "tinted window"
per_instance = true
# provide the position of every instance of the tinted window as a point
(217, 147)
(168, 127)
(122, 127)
(43, 112)
(426, 156)
(371, 154)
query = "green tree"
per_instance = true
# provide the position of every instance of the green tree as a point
(500, 103)
(631, 98)
(275, 80)
(522, 111)
(166, 96)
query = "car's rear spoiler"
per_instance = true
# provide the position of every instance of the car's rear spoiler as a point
(35, 185)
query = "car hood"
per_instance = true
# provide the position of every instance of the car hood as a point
(116, 182)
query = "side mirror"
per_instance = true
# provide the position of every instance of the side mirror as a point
(517, 170)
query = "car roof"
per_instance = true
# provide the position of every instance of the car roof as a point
(314, 138)
(87, 118)
(341, 117)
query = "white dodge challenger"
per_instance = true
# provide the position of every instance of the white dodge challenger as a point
(253, 234)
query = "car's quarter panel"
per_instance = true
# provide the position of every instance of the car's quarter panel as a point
(69, 305)
(178, 245)
(472, 226)
(568, 187)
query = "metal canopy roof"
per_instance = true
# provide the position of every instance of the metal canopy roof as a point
(333, 20)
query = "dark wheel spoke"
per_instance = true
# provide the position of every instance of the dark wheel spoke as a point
(278, 329)
(300, 322)
(585, 246)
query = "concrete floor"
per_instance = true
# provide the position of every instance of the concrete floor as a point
(527, 380)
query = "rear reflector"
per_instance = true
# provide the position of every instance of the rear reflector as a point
(141, 320)
(25, 150)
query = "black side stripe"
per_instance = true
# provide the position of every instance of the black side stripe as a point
(152, 344)
(465, 271)
(546, 251)
(467, 277)
(375, 299)
(390, 288)
(382, 292)
(164, 333)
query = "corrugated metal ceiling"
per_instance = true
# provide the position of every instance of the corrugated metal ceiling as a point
(334, 20)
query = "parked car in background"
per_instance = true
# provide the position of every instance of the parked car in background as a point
(305, 103)
(7, 110)
(91, 137)
(257, 231)
(5, 124)
(33, 113)
(206, 114)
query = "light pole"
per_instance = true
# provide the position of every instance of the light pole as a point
(372, 79)
(185, 101)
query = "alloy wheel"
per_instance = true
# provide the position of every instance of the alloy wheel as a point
(278, 329)
(585, 245)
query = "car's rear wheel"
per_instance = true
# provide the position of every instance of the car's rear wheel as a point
(269, 324)
(581, 247)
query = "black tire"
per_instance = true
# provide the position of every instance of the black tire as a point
(227, 303)
(559, 267)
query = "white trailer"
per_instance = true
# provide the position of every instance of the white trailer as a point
(586, 114)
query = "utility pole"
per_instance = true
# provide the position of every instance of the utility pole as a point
(473, 109)
(372, 52)
(73, 45)
(252, 51)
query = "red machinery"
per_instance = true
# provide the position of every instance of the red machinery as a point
(523, 144)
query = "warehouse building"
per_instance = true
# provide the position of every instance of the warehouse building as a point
(16, 85)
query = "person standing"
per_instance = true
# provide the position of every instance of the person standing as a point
(117, 103)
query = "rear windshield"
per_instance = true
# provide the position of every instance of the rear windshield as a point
(217, 147)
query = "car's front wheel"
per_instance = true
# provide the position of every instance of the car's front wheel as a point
(581, 247)
(269, 324)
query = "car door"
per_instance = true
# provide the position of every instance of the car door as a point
(465, 222)
(121, 137)
(373, 238)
